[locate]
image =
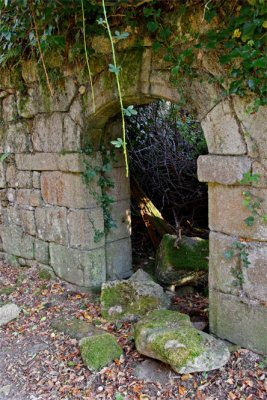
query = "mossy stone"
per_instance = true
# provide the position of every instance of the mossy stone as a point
(44, 275)
(75, 328)
(184, 262)
(169, 336)
(128, 300)
(99, 351)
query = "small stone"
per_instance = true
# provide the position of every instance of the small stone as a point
(8, 312)
(99, 351)
(5, 390)
(82, 89)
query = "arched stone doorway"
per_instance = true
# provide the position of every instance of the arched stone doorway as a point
(47, 211)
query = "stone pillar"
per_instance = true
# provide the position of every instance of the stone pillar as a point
(238, 252)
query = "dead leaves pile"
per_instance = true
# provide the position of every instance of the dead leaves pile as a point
(41, 364)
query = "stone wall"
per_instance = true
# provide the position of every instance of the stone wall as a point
(47, 210)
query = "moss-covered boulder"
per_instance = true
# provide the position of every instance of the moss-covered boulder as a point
(129, 300)
(169, 336)
(99, 351)
(183, 262)
(75, 328)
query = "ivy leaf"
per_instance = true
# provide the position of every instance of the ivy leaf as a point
(113, 69)
(152, 26)
(228, 254)
(120, 36)
(129, 111)
(117, 143)
(101, 21)
(4, 156)
(249, 221)
(148, 12)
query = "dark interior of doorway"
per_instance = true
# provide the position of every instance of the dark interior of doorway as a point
(164, 142)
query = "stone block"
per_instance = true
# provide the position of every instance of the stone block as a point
(29, 197)
(27, 221)
(36, 180)
(255, 276)
(121, 190)
(2, 175)
(83, 268)
(83, 226)
(222, 131)
(26, 104)
(227, 170)
(121, 214)
(71, 135)
(18, 179)
(227, 212)
(47, 133)
(13, 217)
(221, 271)
(245, 324)
(254, 126)
(51, 224)
(66, 189)
(41, 251)
(9, 109)
(119, 259)
(11, 195)
(15, 138)
(16, 242)
(76, 112)
(73, 162)
(160, 86)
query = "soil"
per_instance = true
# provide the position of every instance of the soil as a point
(38, 363)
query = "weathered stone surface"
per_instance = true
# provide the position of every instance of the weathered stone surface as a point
(76, 328)
(29, 197)
(71, 135)
(83, 268)
(16, 242)
(227, 212)
(185, 263)
(129, 300)
(41, 251)
(239, 322)
(73, 162)
(36, 177)
(260, 168)
(29, 71)
(160, 86)
(51, 223)
(85, 227)
(227, 170)
(8, 312)
(169, 336)
(9, 110)
(2, 176)
(47, 133)
(27, 220)
(254, 126)
(121, 190)
(76, 112)
(18, 179)
(153, 371)
(222, 132)
(121, 214)
(99, 351)
(66, 189)
(15, 138)
(119, 259)
(222, 270)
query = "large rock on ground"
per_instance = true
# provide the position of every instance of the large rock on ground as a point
(169, 336)
(129, 300)
(184, 263)
(8, 312)
(99, 350)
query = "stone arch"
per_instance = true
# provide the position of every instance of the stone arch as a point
(47, 211)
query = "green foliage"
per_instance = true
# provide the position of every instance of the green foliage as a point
(238, 250)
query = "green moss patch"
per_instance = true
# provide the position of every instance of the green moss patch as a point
(191, 253)
(99, 351)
